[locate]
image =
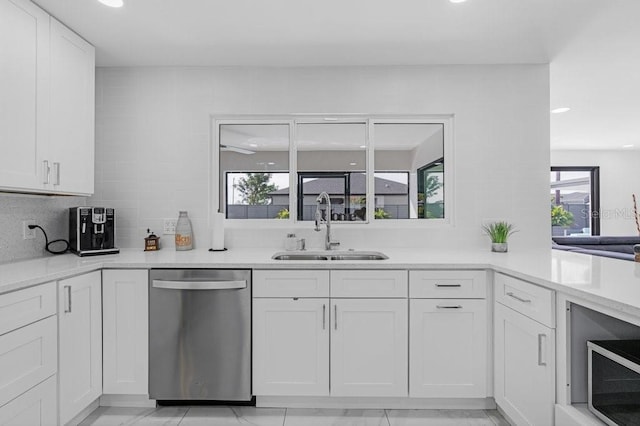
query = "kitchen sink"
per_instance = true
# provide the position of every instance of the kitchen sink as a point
(330, 255)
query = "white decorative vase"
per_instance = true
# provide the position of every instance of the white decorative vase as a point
(499, 247)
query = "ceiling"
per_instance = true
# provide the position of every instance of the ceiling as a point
(592, 45)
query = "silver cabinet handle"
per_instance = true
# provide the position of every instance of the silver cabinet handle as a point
(67, 299)
(448, 285)
(335, 317)
(449, 306)
(541, 351)
(56, 173)
(519, 298)
(199, 285)
(46, 172)
(324, 315)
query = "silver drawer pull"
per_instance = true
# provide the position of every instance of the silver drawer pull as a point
(449, 306)
(519, 298)
(46, 172)
(541, 352)
(448, 285)
(67, 299)
(199, 285)
(335, 317)
(56, 173)
(324, 315)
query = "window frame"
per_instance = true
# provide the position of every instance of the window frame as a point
(217, 188)
(594, 189)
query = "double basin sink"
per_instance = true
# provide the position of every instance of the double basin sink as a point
(330, 255)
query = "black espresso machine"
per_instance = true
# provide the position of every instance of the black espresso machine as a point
(92, 230)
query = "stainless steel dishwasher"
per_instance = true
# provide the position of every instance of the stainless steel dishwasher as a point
(200, 334)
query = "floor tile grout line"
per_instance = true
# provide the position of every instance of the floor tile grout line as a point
(184, 415)
(386, 415)
(284, 418)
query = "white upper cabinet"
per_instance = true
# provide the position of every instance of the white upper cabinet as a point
(47, 88)
(24, 73)
(71, 135)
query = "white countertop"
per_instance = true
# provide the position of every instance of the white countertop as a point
(610, 282)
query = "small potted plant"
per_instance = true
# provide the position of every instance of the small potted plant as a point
(499, 233)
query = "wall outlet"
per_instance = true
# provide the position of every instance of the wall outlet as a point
(28, 234)
(169, 227)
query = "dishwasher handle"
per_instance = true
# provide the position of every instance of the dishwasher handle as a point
(199, 285)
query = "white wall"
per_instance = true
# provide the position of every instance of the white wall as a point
(152, 135)
(619, 178)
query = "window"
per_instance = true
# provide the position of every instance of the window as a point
(254, 167)
(390, 168)
(575, 201)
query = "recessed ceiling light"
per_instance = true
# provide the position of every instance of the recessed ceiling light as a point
(353, 164)
(628, 146)
(457, 1)
(112, 3)
(271, 163)
(560, 110)
(363, 146)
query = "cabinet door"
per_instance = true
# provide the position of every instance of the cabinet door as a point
(125, 329)
(80, 343)
(369, 339)
(71, 144)
(448, 348)
(24, 70)
(36, 407)
(291, 347)
(524, 367)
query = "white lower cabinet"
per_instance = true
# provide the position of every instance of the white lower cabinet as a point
(125, 328)
(369, 339)
(524, 367)
(291, 346)
(80, 343)
(321, 346)
(448, 348)
(36, 407)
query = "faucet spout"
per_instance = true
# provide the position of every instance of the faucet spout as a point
(328, 244)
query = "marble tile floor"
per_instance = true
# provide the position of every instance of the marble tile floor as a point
(251, 416)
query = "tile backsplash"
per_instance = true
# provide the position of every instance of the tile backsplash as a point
(50, 212)
(153, 143)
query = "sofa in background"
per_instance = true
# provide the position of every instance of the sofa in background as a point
(615, 247)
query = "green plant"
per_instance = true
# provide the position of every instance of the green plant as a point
(560, 216)
(499, 231)
(381, 214)
(283, 214)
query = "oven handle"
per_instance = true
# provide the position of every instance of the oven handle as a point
(199, 285)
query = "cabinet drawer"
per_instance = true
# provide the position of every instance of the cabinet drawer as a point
(448, 284)
(23, 307)
(36, 407)
(27, 357)
(290, 283)
(369, 283)
(536, 302)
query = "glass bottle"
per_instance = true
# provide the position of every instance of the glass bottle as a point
(184, 234)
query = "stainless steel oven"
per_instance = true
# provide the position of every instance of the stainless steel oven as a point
(614, 381)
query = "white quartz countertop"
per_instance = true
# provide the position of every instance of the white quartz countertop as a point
(610, 282)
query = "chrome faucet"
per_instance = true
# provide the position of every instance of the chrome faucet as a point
(328, 244)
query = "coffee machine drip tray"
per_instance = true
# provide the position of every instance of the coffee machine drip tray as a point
(97, 252)
(92, 230)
